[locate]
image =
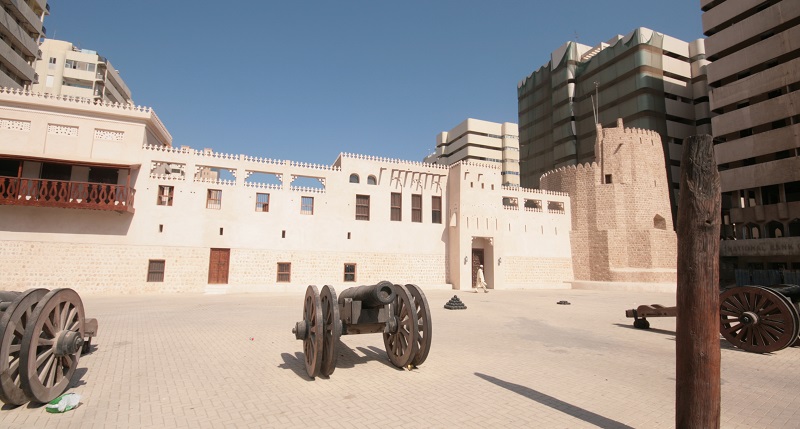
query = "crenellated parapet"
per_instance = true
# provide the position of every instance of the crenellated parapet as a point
(391, 160)
(472, 163)
(83, 103)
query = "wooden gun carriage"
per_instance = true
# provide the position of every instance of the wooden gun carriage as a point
(400, 313)
(760, 319)
(43, 335)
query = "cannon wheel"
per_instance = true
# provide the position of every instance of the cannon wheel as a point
(757, 319)
(332, 328)
(314, 341)
(13, 322)
(52, 345)
(423, 323)
(401, 344)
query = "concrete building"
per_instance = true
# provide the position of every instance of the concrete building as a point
(20, 30)
(67, 70)
(650, 80)
(754, 81)
(479, 140)
(94, 196)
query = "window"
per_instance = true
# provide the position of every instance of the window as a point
(371, 180)
(48, 82)
(165, 194)
(416, 208)
(155, 270)
(51, 63)
(436, 209)
(354, 178)
(362, 207)
(397, 206)
(214, 199)
(262, 202)
(307, 205)
(284, 272)
(349, 272)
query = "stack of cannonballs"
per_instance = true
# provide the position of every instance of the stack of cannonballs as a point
(455, 304)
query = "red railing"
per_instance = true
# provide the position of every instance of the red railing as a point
(58, 193)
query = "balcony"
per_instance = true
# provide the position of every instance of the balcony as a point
(65, 194)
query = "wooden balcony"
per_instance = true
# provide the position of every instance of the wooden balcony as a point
(65, 194)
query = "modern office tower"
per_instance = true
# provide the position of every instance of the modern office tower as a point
(479, 140)
(650, 80)
(754, 80)
(67, 70)
(20, 30)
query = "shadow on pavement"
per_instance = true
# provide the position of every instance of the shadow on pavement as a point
(296, 363)
(656, 330)
(348, 358)
(556, 404)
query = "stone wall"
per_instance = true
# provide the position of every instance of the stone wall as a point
(621, 220)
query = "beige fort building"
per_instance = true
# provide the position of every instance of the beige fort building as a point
(95, 196)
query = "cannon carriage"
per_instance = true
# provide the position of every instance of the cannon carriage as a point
(400, 313)
(759, 319)
(43, 333)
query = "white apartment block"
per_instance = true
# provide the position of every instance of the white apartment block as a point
(94, 196)
(21, 27)
(65, 69)
(474, 139)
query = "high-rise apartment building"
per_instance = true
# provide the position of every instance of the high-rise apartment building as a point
(754, 80)
(479, 140)
(650, 80)
(67, 70)
(20, 30)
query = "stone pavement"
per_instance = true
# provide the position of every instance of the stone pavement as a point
(512, 359)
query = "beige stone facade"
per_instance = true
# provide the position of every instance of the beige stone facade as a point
(622, 229)
(94, 196)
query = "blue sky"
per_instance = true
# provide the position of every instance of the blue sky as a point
(306, 80)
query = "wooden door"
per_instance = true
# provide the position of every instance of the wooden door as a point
(477, 261)
(218, 266)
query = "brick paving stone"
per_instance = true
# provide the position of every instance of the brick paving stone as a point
(512, 359)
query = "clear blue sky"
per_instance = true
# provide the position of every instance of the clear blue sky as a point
(306, 80)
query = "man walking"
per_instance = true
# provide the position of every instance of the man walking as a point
(481, 281)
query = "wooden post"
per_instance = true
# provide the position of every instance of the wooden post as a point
(697, 393)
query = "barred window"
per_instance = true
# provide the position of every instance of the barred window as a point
(349, 272)
(284, 272)
(416, 208)
(436, 209)
(397, 206)
(362, 207)
(214, 199)
(262, 202)
(155, 270)
(165, 194)
(307, 205)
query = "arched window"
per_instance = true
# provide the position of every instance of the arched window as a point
(354, 178)
(745, 232)
(659, 222)
(755, 231)
(371, 180)
(775, 229)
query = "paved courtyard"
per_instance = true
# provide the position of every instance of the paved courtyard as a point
(512, 359)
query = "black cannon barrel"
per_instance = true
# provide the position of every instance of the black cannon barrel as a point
(790, 291)
(371, 296)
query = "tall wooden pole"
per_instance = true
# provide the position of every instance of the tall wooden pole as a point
(697, 398)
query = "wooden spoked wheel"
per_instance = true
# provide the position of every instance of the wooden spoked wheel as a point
(401, 340)
(313, 339)
(423, 323)
(757, 319)
(332, 329)
(13, 322)
(51, 345)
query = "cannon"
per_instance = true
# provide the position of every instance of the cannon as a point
(759, 319)
(43, 334)
(400, 313)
